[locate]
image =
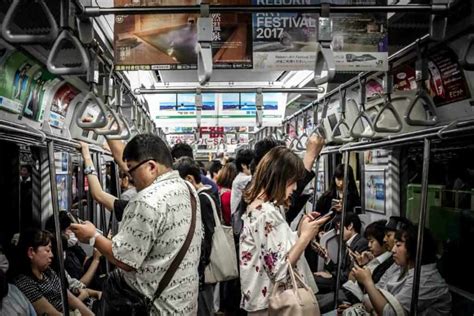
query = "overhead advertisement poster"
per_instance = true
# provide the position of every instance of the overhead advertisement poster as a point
(23, 83)
(168, 41)
(288, 41)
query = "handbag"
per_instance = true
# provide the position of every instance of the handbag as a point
(223, 260)
(294, 301)
(119, 298)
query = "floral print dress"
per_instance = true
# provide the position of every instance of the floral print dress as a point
(265, 242)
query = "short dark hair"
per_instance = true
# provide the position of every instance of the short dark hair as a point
(148, 146)
(376, 230)
(244, 157)
(351, 218)
(214, 167)
(261, 148)
(409, 235)
(395, 223)
(181, 150)
(64, 222)
(186, 166)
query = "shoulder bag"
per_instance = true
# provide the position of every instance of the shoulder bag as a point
(119, 298)
(223, 261)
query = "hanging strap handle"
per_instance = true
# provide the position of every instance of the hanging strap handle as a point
(28, 38)
(422, 97)
(388, 106)
(362, 114)
(342, 119)
(182, 252)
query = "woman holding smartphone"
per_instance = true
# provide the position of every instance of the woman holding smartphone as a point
(267, 244)
(332, 198)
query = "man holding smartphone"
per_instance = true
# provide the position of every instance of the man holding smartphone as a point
(154, 228)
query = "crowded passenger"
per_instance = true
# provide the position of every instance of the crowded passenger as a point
(184, 150)
(38, 282)
(189, 170)
(333, 197)
(214, 167)
(156, 223)
(224, 180)
(242, 161)
(267, 244)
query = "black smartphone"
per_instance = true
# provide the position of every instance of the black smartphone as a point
(74, 219)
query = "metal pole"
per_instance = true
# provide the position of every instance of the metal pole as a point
(174, 90)
(341, 249)
(57, 227)
(400, 139)
(80, 186)
(412, 8)
(119, 195)
(421, 225)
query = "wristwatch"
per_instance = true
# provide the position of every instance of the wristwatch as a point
(89, 170)
(92, 240)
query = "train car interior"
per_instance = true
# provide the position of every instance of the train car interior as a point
(388, 85)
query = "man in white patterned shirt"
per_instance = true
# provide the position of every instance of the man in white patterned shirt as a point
(153, 229)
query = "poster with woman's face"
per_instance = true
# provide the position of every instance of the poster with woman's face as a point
(62, 185)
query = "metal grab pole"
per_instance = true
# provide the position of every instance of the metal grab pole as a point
(80, 187)
(421, 225)
(247, 89)
(57, 227)
(89, 11)
(341, 249)
(103, 224)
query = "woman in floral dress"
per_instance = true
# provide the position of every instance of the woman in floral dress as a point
(267, 243)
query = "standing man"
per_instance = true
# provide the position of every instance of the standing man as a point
(242, 161)
(154, 227)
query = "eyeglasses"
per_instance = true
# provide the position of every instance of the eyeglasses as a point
(131, 170)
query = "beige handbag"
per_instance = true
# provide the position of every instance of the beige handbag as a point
(223, 262)
(294, 301)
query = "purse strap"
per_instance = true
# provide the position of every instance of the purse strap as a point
(182, 252)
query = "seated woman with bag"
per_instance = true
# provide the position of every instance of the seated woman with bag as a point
(394, 297)
(269, 249)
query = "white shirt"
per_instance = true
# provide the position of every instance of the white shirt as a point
(265, 242)
(154, 227)
(128, 194)
(349, 242)
(238, 186)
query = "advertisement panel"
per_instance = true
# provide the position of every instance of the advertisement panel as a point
(23, 84)
(288, 41)
(146, 42)
(447, 83)
(60, 104)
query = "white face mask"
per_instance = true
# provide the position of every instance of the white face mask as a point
(4, 263)
(72, 240)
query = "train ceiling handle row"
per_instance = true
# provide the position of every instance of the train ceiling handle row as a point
(26, 38)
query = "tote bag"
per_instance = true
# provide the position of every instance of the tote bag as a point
(294, 301)
(223, 261)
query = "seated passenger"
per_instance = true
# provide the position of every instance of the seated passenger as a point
(433, 296)
(378, 259)
(267, 244)
(76, 259)
(40, 284)
(12, 301)
(354, 242)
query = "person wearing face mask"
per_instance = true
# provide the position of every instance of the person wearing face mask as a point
(12, 301)
(76, 262)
